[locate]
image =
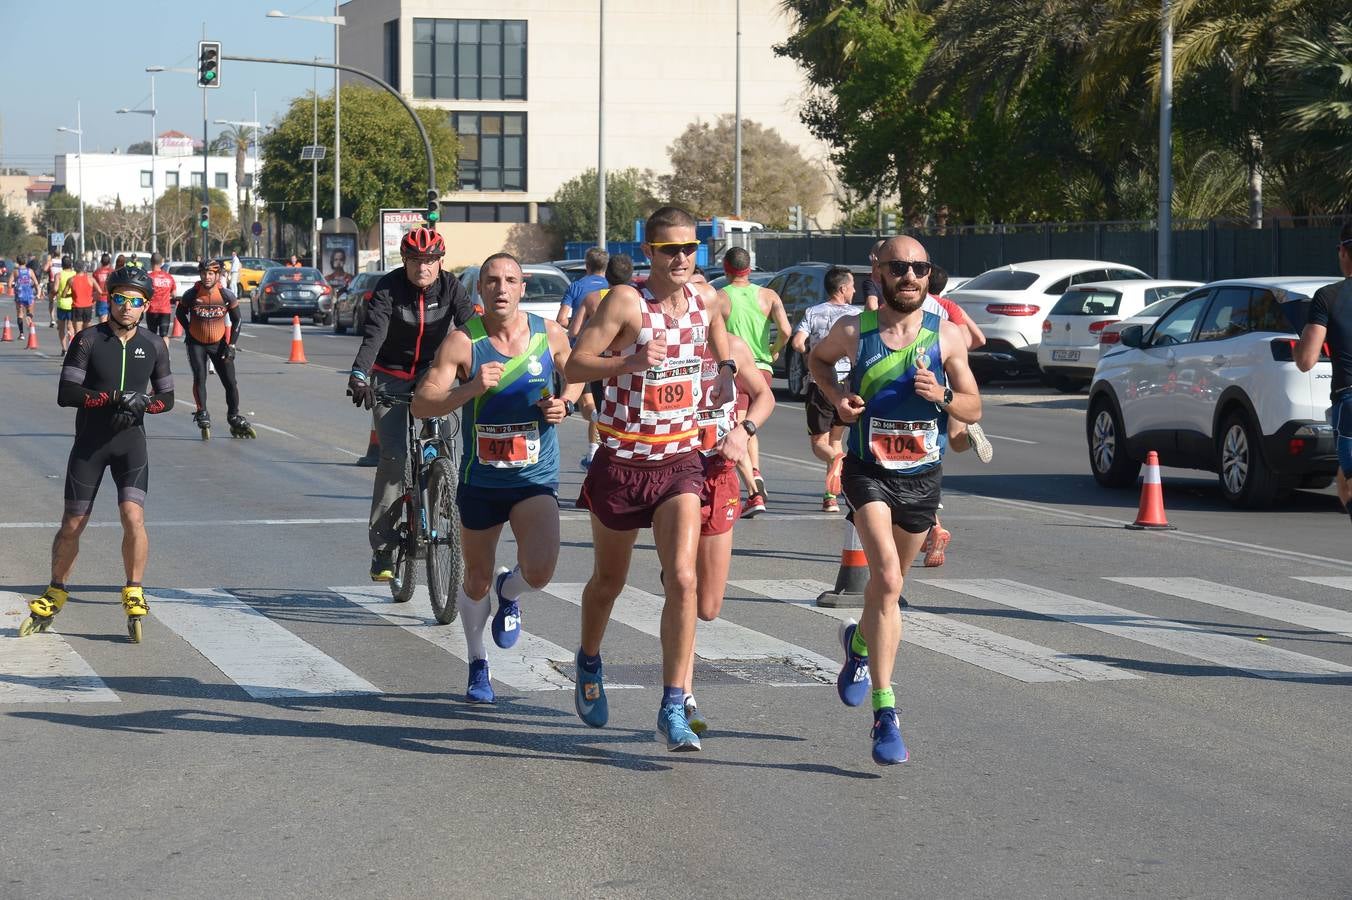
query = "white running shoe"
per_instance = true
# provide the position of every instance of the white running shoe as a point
(980, 443)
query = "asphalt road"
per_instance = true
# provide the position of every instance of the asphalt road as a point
(287, 731)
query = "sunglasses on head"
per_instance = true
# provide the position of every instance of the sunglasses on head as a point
(898, 267)
(676, 248)
(136, 301)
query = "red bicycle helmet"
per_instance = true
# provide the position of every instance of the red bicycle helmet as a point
(422, 241)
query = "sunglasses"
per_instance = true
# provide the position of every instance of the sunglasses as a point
(135, 300)
(898, 267)
(676, 248)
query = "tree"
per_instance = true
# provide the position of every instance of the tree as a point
(387, 169)
(141, 148)
(178, 208)
(238, 139)
(629, 196)
(775, 176)
(60, 212)
(1315, 94)
(12, 232)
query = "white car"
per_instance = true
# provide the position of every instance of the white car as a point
(1009, 304)
(545, 286)
(1213, 385)
(1111, 335)
(1070, 334)
(185, 275)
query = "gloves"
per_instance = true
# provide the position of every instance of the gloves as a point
(227, 352)
(360, 391)
(132, 402)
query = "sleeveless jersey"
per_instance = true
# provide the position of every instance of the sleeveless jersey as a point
(507, 442)
(24, 286)
(746, 320)
(899, 430)
(714, 421)
(650, 415)
(207, 315)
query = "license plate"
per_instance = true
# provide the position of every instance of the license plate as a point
(1066, 355)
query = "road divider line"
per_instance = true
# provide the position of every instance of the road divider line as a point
(266, 660)
(193, 522)
(1196, 641)
(43, 668)
(1021, 660)
(1266, 606)
(1005, 437)
(1342, 582)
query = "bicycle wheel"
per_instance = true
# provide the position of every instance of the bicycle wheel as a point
(405, 554)
(445, 564)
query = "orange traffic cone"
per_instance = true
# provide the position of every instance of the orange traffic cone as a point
(33, 339)
(372, 457)
(297, 348)
(177, 330)
(1151, 514)
(853, 574)
(7, 334)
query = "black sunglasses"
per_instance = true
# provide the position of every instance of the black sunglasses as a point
(898, 267)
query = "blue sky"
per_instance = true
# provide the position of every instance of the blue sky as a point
(96, 52)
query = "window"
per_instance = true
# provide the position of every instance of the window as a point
(1088, 303)
(492, 151)
(1124, 275)
(170, 179)
(392, 53)
(1152, 295)
(146, 178)
(1227, 316)
(222, 180)
(1278, 311)
(197, 179)
(1176, 326)
(1003, 280)
(468, 59)
(485, 212)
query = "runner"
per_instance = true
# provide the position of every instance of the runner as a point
(410, 312)
(160, 313)
(505, 362)
(82, 289)
(24, 287)
(909, 376)
(873, 295)
(619, 270)
(824, 429)
(203, 313)
(1330, 319)
(52, 268)
(748, 311)
(647, 350)
(595, 262)
(105, 376)
(64, 273)
(101, 286)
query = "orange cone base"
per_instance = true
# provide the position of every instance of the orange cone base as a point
(852, 576)
(32, 339)
(1145, 526)
(297, 348)
(1150, 516)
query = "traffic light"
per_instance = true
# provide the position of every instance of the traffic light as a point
(208, 64)
(890, 223)
(204, 218)
(433, 208)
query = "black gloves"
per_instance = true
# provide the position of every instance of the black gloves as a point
(360, 391)
(228, 352)
(128, 409)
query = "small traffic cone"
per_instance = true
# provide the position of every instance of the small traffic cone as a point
(1151, 514)
(32, 339)
(177, 330)
(7, 335)
(297, 348)
(372, 457)
(852, 576)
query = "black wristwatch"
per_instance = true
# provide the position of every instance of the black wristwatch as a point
(568, 407)
(948, 398)
(730, 363)
(750, 427)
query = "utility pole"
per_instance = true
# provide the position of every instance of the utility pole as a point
(1166, 201)
(601, 132)
(737, 140)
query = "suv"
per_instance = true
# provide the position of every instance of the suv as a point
(1212, 385)
(798, 288)
(349, 302)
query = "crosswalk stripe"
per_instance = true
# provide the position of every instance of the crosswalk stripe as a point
(1178, 637)
(525, 667)
(1342, 582)
(1267, 606)
(990, 650)
(263, 658)
(42, 668)
(719, 639)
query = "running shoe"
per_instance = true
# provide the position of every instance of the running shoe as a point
(585, 463)
(480, 688)
(980, 443)
(759, 482)
(829, 503)
(672, 726)
(693, 717)
(507, 620)
(754, 506)
(936, 543)
(888, 747)
(852, 684)
(382, 565)
(589, 695)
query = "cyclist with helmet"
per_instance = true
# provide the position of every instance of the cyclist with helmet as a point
(113, 375)
(203, 313)
(410, 312)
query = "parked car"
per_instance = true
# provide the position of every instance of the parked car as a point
(1070, 334)
(575, 269)
(1010, 303)
(760, 279)
(545, 287)
(1112, 333)
(185, 275)
(1212, 385)
(286, 291)
(349, 303)
(251, 269)
(799, 287)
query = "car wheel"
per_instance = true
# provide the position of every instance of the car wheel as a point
(1108, 457)
(1245, 478)
(253, 313)
(795, 371)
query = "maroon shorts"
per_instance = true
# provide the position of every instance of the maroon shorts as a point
(721, 501)
(624, 493)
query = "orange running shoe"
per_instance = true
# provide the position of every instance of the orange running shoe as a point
(936, 542)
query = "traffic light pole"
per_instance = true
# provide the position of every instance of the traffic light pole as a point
(206, 189)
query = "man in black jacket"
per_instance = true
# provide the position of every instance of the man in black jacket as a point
(410, 312)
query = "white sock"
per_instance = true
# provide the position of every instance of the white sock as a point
(591, 450)
(514, 585)
(474, 615)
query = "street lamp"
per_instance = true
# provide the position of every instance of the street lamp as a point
(154, 161)
(337, 21)
(78, 131)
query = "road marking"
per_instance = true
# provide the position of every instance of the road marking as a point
(42, 668)
(719, 639)
(1004, 437)
(1020, 660)
(1177, 637)
(274, 430)
(1267, 606)
(254, 652)
(1342, 582)
(195, 522)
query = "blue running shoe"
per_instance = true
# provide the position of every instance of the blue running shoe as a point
(672, 726)
(888, 747)
(589, 695)
(480, 688)
(853, 682)
(507, 620)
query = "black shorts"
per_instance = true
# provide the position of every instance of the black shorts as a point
(821, 415)
(159, 323)
(913, 499)
(482, 508)
(124, 452)
(83, 315)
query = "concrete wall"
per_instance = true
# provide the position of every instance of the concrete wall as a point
(470, 243)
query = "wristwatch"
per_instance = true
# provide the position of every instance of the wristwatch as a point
(732, 364)
(948, 398)
(568, 407)
(750, 427)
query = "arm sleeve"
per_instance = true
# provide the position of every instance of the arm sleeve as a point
(235, 320)
(70, 391)
(184, 306)
(377, 325)
(161, 382)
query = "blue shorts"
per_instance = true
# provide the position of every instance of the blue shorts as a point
(482, 508)
(62, 315)
(100, 308)
(1341, 419)
(24, 301)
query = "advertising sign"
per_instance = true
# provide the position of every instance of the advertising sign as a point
(394, 224)
(338, 258)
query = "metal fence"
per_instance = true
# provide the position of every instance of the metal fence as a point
(1202, 251)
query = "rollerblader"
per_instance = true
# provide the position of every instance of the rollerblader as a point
(203, 313)
(114, 374)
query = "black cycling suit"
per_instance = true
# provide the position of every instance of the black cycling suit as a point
(1332, 308)
(97, 365)
(405, 324)
(204, 337)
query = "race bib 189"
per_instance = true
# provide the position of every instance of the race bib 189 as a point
(671, 391)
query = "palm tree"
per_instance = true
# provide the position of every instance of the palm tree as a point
(1315, 94)
(237, 139)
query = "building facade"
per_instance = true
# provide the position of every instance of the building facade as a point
(109, 178)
